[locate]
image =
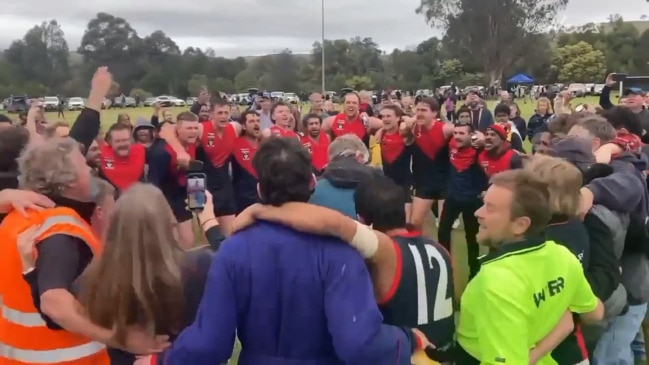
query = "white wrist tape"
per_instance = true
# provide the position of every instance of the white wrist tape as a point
(365, 241)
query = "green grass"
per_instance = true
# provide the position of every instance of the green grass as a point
(458, 247)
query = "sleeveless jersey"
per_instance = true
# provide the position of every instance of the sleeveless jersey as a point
(280, 132)
(179, 174)
(492, 165)
(217, 148)
(430, 161)
(422, 294)
(318, 150)
(396, 157)
(244, 176)
(122, 172)
(340, 126)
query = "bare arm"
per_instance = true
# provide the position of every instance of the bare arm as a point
(553, 339)
(31, 122)
(405, 130)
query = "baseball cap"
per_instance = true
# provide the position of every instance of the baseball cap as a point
(265, 95)
(499, 130)
(634, 91)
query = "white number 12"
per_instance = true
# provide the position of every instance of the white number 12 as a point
(443, 305)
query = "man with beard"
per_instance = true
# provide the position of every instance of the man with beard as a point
(481, 117)
(281, 114)
(498, 156)
(429, 136)
(216, 138)
(166, 174)
(144, 132)
(244, 176)
(315, 142)
(122, 162)
(351, 121)
(465, 185)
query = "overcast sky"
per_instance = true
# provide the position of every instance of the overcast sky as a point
(255, 27)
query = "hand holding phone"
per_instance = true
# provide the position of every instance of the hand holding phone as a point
(196, 197)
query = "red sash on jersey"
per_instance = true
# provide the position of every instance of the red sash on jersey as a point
(173, 166)
(462, 158)
(340, 126)
(495, 164)
(244, 151)
(430, 140)
(123, 171)
(317, 149)
(392, 146)
(281, 132)
(218, 148)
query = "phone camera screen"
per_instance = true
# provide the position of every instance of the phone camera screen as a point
(196, 197)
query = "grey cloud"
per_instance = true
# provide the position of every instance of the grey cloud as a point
(258, 26)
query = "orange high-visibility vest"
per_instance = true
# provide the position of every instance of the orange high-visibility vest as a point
(24, 336)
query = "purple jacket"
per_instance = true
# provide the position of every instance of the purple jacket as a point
(293, 299)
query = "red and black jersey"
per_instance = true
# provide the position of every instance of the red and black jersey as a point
(341, 126)
(466, 180)
(429, 155)
(244, 176)
(280, 132)
(494, 163)
(122, 172)
(217, 145)
(396, 157)
(318, 150)
(178, 173)
(422, 293)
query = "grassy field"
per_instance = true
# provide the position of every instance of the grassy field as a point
(459, 242)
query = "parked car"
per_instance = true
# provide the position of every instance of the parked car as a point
(130, 102)
(76, 103)
(149, 101)
(598, 89)
(16, 104)
(191, 100)
(177, 102)
(590, 89)
(51, 103)
(291, 98)
(165, 101)
(577, 90)
(277, 96)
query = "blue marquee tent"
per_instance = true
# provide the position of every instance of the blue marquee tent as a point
(520, 79)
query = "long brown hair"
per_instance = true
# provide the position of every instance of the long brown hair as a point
(137, 279)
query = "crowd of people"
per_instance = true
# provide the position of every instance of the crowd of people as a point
(318, 251)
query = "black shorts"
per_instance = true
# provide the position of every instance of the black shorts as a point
(179, 208)
(223, 200)
(429, 191)
(408, 190)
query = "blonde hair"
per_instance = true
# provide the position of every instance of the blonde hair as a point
(563, 180)
(47, 168)
(106, 190)
(348, 145)
(146, 289)
(547, 102)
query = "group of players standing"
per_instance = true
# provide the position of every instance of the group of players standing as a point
(431, 160)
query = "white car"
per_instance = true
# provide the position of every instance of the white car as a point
(177, 102)
(277, 95)
(191, 101)
(291, 98)
(51, 103)
(76, 103)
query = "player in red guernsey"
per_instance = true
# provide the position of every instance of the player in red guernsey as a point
(430, 164)
(350, 121)
(166, 173)
(244, 176)
(316, 142)
(281, 115)
(498, 155)
(216, 141)
(122, 161)
(395, 153)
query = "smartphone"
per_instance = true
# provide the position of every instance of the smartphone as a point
(196, 198)
(619, 77)
(195, 166)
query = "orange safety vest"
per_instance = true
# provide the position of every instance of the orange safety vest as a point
(24, 336)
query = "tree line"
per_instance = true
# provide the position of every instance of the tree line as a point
(41, 63)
